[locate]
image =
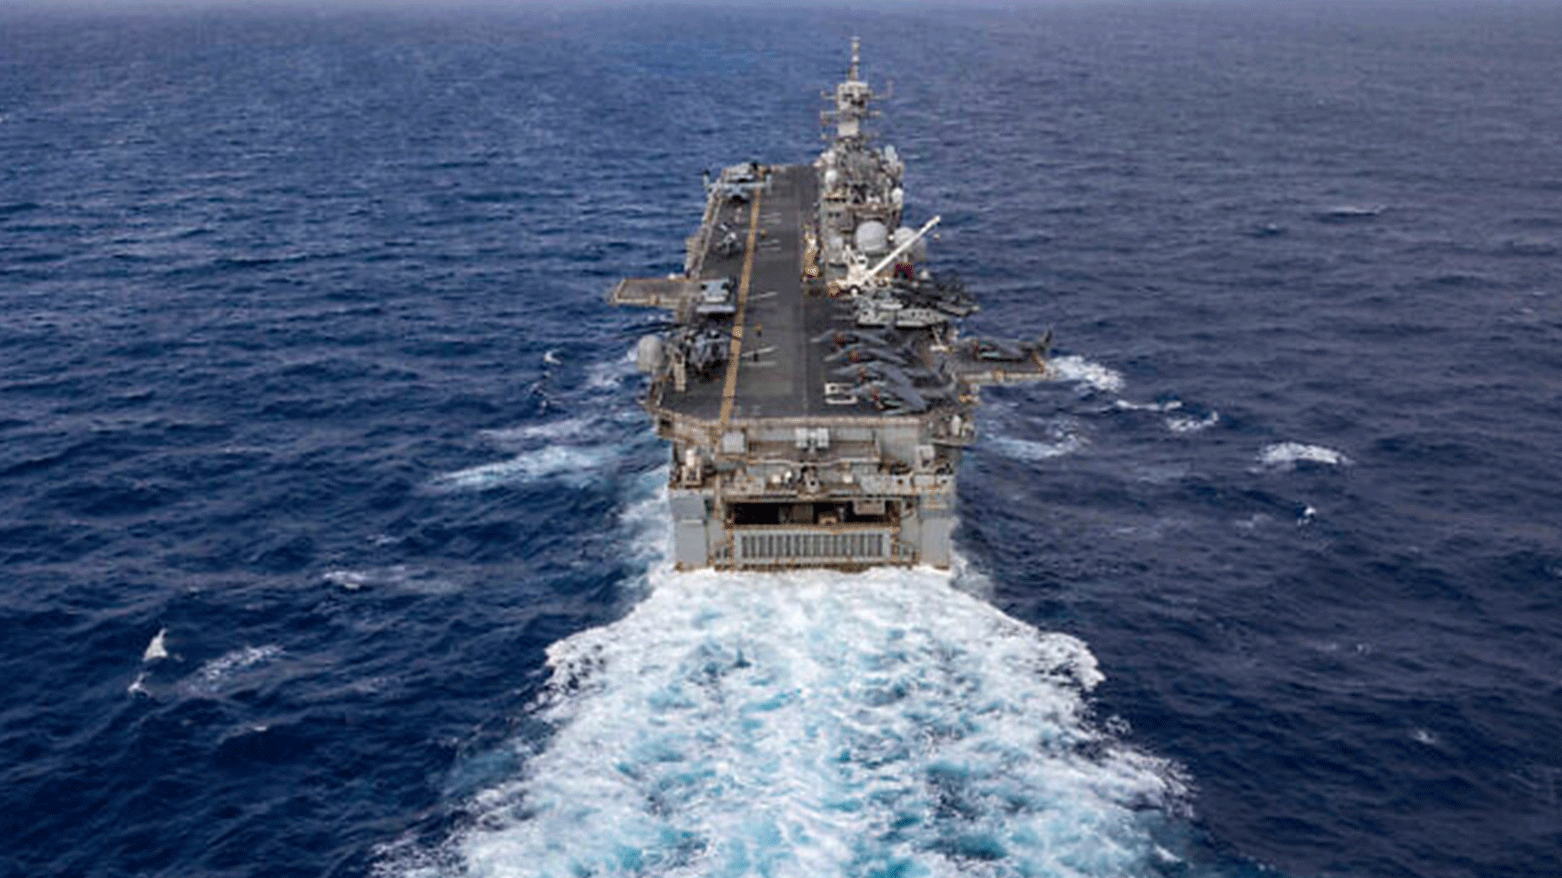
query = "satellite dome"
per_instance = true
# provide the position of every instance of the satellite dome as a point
(872, 238)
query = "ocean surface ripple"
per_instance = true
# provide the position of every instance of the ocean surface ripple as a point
(332, 536)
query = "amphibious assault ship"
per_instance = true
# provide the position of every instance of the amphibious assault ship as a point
(812, 379)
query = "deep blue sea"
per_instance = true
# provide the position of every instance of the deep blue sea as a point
(332, 540)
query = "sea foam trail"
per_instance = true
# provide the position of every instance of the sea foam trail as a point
(815, 724)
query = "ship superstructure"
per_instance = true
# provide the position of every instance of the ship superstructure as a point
(813, 382)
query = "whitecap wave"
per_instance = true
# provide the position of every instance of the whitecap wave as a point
(351, 580)
(567, 429)
(816, 724)
(213, 676)
(569, 463)
(1041, 440)
(607, 375)
(1035, 451)
(1124, 405)
(1286, 455)
(157, 649)
(1190, 424)
(1080, 370)
(397, 576)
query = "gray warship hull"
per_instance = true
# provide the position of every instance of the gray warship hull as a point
(813, 385)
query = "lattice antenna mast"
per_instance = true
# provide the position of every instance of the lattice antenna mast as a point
(851, 101)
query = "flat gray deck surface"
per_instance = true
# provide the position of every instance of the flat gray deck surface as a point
(780, 370)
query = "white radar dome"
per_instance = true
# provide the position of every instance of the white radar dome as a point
(918, 251)
(872, 238)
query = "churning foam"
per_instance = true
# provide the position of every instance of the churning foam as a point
(816, 724)
(606, 375)
(1080, 370)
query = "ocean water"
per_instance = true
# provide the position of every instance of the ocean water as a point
(332, 540)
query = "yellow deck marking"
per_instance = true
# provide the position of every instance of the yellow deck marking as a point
(730, 389)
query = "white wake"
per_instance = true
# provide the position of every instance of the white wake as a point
(817, 724)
